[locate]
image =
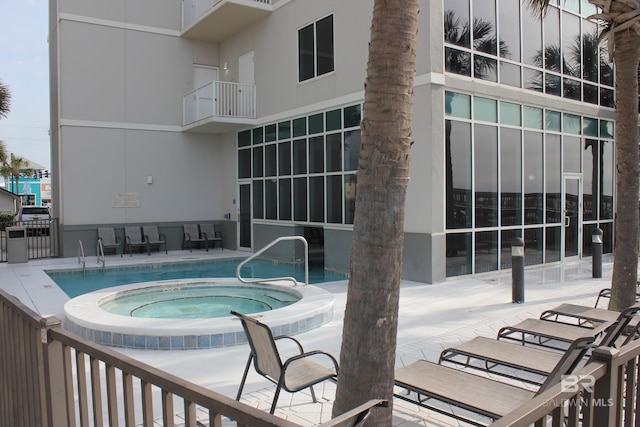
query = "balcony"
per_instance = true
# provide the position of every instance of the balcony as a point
(219, 107)
(215, 20)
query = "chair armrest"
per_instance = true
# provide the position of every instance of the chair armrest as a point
(163, 237)
(281, 337)
(357, 415)
(312, 353)
(219, 234)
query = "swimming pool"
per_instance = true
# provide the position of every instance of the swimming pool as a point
(74, 282)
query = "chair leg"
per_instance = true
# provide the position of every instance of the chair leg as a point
(275, 398)
(313, 394)
(244, 376)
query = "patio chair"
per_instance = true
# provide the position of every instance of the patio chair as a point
(192, 235)
(107, 237)
(295, 373)
(357, 416)
(133, 239)
(210, 234)
(478, 394)
(493, 356)
(153, 237)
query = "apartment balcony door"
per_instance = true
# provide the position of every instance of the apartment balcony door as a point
(572, 229)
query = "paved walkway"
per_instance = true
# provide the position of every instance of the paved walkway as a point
(432, 317)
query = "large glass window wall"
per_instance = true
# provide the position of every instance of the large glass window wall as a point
(303, 169)
(505, 165)
(561, 54)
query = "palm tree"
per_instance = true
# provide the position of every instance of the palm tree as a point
(5, 100)
(623, 35)
(367, 357)
(4, 167)
(16, 165)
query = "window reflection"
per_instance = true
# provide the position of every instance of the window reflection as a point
(553, 180)
(511, 177)
(459, 254)
(486, 175)
(458, 174)
(533, 178)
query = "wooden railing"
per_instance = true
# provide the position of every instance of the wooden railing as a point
(50, 377)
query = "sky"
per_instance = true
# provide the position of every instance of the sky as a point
(24, 68)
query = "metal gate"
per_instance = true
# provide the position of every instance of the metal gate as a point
(42, 239)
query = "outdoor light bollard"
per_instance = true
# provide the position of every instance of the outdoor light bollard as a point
(596, 250)
(517, 270)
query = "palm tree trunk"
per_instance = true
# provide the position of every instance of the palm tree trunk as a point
(625, 266)
(367, 355)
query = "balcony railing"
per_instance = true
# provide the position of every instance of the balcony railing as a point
(224, 101)
(215, 20)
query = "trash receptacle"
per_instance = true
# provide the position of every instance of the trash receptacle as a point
(17, 245)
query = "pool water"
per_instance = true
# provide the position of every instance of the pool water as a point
(196, 301)
(75, 283)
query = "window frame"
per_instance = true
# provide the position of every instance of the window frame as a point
(315, 55)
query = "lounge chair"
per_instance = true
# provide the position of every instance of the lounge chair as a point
(107, 237)
(153, 237)
(545, 333)
(210, 234)
(133, 239)
(478, 394)
(294, 374)
(193, 236)
(579, 315)
(493, 356)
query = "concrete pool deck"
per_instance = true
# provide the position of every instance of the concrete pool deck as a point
(432, 317)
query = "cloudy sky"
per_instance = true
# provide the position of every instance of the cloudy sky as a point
(24, 68)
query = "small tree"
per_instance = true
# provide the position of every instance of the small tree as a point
(5, 100)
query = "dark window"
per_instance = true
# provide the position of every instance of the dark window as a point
(315, 49)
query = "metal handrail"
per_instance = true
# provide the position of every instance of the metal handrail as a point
(81, 258)
(291, 279)
(100, 254)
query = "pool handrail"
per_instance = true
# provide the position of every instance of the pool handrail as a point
(100, 255)
(81, 258)
(291, 279)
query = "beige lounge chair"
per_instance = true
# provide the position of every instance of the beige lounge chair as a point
(210, 234)
(493, 356)
(294, 374)
(478, 394)
(153, 237)
(107, 237)
(193, 236)
(133, 239)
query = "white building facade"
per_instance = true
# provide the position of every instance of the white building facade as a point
(246, 113)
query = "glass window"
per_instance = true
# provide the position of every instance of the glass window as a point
(553, 121)
(351, 150)
(334, 199)
(315, 49)
(334, 120)
(510, 114)
(349, 198)
(316, 199)
(485, 109)
(506, 236)
(244, 163)
(299, 156)
(606, 68)
(510, 74)
(533, 117)
(244, 138)
(589, 179)
(352, 116)
(457, 105)
(552, 84)
(590, 51)
(533, 178)
(270, 133)
(486, 251)
(571, 89)
(457, 61)
(511, 177)
(552, 244)
(533, 79)
(316, 154)
(299, 127)
(590, 127)
(607, 181)
(456, 22)
(484, 26)
(532, 43)
(485, 68)
(571, 154)
(553, 179)
(270, 165)
(607, 98)
(590, 93)
(551, 25)
(300, 199)
(258, 136)
(334, 152)
(284, 195)
(284, 130)
(571, 45)
(606, 129)
(534, 245)
(459, 252)
(284, 158)
(571, 124)
(258, 199)
(509, 29)
(271, 199)
(316, 123)
(458, 174)
(258, 166)
(486, 175)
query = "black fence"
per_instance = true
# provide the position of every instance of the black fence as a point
(27, 240)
